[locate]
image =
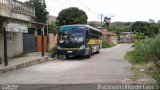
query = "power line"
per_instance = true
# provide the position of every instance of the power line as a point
(70, 3)
(59, 3)
(84, 6)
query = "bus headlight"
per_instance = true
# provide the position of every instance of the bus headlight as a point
(58, 47)
(82, 47)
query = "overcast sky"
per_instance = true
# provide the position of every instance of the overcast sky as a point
(118, 10)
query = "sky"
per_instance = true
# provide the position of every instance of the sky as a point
(118, 10)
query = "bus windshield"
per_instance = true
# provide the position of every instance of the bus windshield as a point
(70, 34)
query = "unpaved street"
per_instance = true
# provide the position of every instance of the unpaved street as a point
(106, 67)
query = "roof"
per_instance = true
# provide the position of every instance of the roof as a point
(7, 17)
(83, 25)
(127, 33)
(52, 18)
(108, 33)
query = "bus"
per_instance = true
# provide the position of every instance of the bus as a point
(76, 40)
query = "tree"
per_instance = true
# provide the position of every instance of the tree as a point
(120, 27)
(151, 21)
(40, 10)
(140, 27)
(71, 15)
(148, 29)
(154, 29)
(158, 23)
(107, 21)
(52, 27)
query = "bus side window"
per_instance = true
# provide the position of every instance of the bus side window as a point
(87, 34)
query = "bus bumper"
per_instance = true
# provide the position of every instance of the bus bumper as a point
(71, 52)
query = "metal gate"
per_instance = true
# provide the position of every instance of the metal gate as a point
(28, 43)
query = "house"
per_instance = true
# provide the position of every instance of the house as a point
(52, 18)
(18, 29)
(126, 37)
(111, 37)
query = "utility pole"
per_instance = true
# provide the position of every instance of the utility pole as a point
(101, 19)
(5, 42)
(5, 48)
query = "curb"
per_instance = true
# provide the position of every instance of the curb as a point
(24, 65)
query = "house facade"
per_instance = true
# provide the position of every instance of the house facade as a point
(111, 37)
(126, 37)
(18, 29)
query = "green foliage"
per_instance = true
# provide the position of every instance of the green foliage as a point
(151, 21)
(139, 36)
(149, 29)
(121, 23)
(140, 27)
(119, 28)
(154, 29)
(106, 21)
(40, 10)
(146, 52)
(70, 16)
(52, 51)
(52, 28)
(106, 44)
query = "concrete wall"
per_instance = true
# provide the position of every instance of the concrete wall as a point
(114, 40)
(14, 44)
(126, 38)
(111, 38)
(52, 41)
(5, 10)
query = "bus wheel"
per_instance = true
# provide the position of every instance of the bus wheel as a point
(57, 55)
(67, 57)
(89, 54)
(98, 50)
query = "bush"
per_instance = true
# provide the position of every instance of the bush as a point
(139, 36)
(106, 44)
(147, 51)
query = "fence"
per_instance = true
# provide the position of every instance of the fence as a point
(39, 47)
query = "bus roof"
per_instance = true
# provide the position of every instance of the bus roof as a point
(83, 26)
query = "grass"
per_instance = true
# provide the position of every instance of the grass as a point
(106, 44)
(146, 55)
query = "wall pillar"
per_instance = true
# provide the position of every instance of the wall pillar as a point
(5, 48)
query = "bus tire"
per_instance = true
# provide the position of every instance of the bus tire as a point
(67, 57)
(89, 54)
(98, 50)
(57, 55)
